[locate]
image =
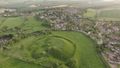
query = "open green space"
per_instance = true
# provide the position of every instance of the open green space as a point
(58, 49)
(90, 13)
(103, 14)
(110, 15)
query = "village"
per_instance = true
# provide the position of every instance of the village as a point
(106, 33)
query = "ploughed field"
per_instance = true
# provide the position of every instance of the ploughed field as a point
(36, 47)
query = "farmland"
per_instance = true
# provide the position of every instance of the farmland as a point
(110, 14)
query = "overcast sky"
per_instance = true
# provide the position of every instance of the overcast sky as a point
(56, 0)
(14, 1)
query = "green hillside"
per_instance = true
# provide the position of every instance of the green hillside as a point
(36, 46)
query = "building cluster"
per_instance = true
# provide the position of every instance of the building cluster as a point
(3, 10)
(106, 33)
(110, 34)
(7, 12)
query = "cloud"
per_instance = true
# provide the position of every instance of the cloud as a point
(108, 0)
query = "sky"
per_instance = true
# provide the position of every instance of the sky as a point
(15, 1)
(56, 0)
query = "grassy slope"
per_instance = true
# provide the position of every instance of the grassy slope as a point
(86, 55)
(32, 24)
(65, 46)
(12, 22)
(7, 62)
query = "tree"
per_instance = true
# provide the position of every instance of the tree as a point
(46, 23)
(71, 63)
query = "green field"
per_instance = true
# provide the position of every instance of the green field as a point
(110, 14)
(103, 14)
(91, 13)
(58, 49)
